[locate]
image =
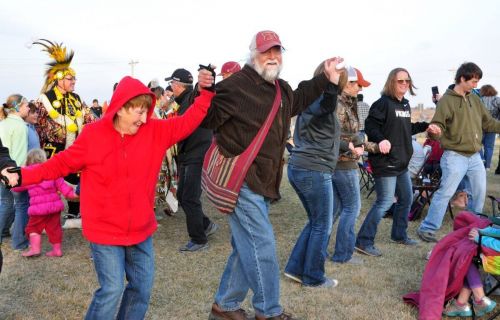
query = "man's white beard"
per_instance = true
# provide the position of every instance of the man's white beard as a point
(268, 74)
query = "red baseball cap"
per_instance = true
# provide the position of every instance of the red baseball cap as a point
(230, 67)
(361, 81)
(265, 40)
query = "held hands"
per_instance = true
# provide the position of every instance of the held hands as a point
(358, 151)
(11, 176)
(331, 71)
(206, 77)
(384, 146)
(434, 130)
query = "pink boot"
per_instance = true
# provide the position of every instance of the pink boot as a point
(56, 251)
(35, 244)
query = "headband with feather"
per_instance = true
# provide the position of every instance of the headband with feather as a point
(58, 68)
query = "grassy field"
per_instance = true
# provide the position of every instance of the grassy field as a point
(44, 288)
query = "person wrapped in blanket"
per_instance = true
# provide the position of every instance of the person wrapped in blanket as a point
(459, 307)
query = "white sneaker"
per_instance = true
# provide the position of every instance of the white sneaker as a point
(72, 224)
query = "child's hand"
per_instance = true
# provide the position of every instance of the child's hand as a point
(473, 234)
(75, 198)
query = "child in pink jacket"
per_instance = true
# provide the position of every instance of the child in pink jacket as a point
(45, 209)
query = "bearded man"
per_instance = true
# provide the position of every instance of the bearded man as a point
(239, 109)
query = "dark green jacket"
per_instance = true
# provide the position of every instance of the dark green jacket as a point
(462, 120)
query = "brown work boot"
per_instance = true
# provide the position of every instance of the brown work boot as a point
(218, 314)
(283, 316)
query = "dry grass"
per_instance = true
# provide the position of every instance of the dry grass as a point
(44, 288)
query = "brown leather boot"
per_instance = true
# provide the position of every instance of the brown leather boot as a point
(283, 316)
(218, 314)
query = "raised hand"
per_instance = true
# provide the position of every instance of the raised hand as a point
(333, 69)
(206, 76)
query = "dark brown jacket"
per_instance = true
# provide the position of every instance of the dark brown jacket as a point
(241, 106)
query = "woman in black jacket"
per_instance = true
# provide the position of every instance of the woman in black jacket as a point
(389, 125)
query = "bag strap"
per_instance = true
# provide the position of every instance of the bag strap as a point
(254, 147)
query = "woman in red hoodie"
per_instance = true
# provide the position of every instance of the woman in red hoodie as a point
(119, 158)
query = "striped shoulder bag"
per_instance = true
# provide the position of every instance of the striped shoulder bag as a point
(223, 177)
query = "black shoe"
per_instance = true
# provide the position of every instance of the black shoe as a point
(71, 216)
(426, 236)
(211, 229)
(369, 250)
(192, 247)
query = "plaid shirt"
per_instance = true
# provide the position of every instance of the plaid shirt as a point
(363, 109)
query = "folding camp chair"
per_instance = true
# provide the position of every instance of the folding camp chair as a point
(495, 205)
(366, 179)
(425, 185)
(489, 260)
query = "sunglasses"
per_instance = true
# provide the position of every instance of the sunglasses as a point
(403, 81)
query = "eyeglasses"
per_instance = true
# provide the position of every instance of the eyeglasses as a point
(403, 81)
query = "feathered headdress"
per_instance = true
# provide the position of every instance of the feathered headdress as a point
(58, 68)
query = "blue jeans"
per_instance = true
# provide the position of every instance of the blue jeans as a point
(386, 188)
(253, 263)
(347, 203)
(488, 146)
(14, 204)
(315, 191)
(455, 167)
(113, 264)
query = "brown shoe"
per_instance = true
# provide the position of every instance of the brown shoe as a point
(218, 314)
(283, 316)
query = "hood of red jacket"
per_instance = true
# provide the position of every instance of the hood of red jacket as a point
(127, 89)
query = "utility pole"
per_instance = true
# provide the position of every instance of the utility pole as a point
(132, 64)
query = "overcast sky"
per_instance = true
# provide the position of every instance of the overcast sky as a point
(429, 38)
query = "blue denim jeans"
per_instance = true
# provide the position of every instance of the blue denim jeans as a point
(14, 204)
(386, 188)
(455, 167)
(253, 263)
(315, 191)
(488, 146)
(114, 264)
(347, 204)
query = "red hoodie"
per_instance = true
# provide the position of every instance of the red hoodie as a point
(118, 174)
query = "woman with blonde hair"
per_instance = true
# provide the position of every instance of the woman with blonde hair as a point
(14, 136)
(389, 124)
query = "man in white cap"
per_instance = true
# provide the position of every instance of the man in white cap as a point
(238, 111)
